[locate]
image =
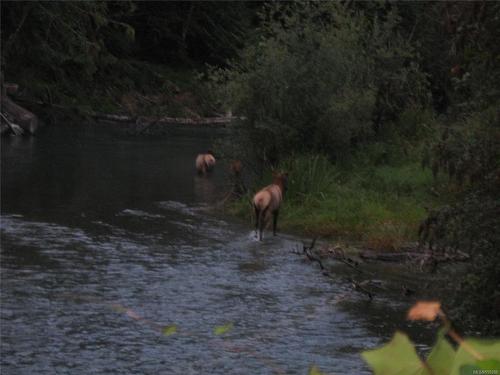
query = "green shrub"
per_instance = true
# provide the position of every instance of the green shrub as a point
(318, 77)
(310, 177)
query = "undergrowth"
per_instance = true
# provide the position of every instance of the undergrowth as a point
(131, 87)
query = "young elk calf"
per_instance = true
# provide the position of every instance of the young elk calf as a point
(205, 162)
(267, 202)
(238, 186)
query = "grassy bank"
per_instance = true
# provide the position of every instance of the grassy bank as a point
(380, 205)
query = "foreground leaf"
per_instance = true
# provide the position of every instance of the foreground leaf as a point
(169, 330)
(489, 364)
(468, 351)
(314, 371)
(398, 357)
(118, 308)
(220, 330)
(442, 355)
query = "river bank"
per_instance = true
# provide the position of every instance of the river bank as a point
(155, 97)
(381, 206)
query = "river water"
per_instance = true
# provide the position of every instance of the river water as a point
(112, 262)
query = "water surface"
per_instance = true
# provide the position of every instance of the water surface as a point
(107, 239)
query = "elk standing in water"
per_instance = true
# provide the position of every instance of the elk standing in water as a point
(205, 163)
(267, 202)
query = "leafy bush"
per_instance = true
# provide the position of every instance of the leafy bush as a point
(318, 77)
(466, 73)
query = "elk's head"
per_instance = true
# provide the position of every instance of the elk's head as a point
(281, 179)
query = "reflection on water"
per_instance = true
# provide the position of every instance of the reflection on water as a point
(204, 189)
(106, 240)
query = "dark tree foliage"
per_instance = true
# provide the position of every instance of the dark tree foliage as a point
(468, 151)
(60, 49)
(191, 32)
(81, 49)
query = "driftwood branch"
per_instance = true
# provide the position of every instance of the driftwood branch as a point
(14, 128)
(307, 250)
(13, 114)
(339, 254)
(357, 286)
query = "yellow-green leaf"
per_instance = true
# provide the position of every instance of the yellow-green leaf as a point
(489, 364)
(220, 330)
(398, 357)
(314, 371)
(441, 357)
(118, 308)
(471, 348)
(169, 330)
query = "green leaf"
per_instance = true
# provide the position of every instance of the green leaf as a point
(169, 330)
(440, 360)
(314, 371)
(469, 370)
(488, 349)
(220, 330)
(489, 364)
(398, 357)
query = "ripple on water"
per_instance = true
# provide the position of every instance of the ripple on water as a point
(177, 207)
(140, 214)
(62, 317)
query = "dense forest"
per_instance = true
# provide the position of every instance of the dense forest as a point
(386, 114)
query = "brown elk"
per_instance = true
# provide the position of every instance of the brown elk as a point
(205, 162)
(235, 168)
(267, 202)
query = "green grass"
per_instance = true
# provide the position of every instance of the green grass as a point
(380, 205)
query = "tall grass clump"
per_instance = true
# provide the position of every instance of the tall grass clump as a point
(310, 176)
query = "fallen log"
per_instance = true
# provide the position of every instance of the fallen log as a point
(384, 257)
(144, 122)
(8, 126)
(166, 120)
(412, 256)
(20, 116)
